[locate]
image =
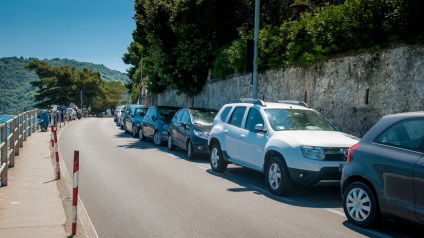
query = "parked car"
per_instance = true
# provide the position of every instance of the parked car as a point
(133, 120)
(119, 116)
(125, 112)
(189, 130)
(384, 174)
(156, 122)
(117, 113)
(289, 143)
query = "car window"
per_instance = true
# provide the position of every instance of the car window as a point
(407, 134)
(203, 117)
(237, 116)
(297, 119)
(167, 112)
(178, 115)
(185, 118)
(140, 111)
(253, 118)
(224, 113)
(149, 112)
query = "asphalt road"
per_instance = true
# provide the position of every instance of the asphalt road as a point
(132, 188)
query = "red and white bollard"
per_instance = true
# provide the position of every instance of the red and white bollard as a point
(75, 193)
(56, 151)
(52, 142)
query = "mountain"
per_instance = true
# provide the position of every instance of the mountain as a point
(16, 92)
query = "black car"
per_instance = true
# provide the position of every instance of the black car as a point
(156, 122)
(384, 174)
(189, 130)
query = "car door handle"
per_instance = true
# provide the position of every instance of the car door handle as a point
(242, 136)
(225, 131)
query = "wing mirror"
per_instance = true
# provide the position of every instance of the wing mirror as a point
(260, 128)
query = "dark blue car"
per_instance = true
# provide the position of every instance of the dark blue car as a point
(134, 119)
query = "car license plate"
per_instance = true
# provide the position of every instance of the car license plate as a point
(341, 167)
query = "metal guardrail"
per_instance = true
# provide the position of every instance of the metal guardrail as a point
(13, 133)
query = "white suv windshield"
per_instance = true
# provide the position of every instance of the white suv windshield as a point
(297, 119)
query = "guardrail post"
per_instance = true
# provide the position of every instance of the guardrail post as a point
(15, 135)
(29, 123)
(3, 163)
(35, 122)
(11, 152)
(21, 130)
(25, 121)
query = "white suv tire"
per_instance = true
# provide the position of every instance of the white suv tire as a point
(218, 164)
(277, 176)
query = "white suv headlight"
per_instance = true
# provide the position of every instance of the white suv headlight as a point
(201, 134)
(313, 152)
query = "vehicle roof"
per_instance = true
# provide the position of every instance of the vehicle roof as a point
(387, 121)
(275, 105)
(167, 107)
(141, 106)
(201, 109)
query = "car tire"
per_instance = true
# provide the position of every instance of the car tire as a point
(134, 130)
(360, 205)
(277, 176)
(190, 151)
(217, 162)
(171, 146)
(141, 135)
(156, 138)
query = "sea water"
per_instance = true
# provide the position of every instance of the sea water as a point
(3, 119)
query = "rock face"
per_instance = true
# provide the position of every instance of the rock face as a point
(353, 92)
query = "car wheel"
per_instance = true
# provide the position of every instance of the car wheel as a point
(190, 151)
(141, 135)
(156, 138)
(278, 177)
(218, 164)
(171, 146)
(134, 131)
(360, 206)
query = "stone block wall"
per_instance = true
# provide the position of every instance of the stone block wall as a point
(353, 92)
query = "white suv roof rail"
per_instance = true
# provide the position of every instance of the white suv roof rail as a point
(249, 100)
(294, 102)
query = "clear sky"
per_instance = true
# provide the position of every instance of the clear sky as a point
(95, 31)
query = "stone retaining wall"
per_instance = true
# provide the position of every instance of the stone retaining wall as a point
(353, 92)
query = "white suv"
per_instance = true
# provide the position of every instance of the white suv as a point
(287, 141)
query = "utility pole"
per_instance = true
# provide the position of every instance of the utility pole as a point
(255, 52)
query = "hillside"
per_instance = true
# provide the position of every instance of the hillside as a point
(16, 92)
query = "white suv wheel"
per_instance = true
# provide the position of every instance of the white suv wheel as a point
(274, 176)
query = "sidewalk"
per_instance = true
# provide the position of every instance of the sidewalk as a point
(31, 204)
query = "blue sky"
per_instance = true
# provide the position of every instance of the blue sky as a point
(95, 31)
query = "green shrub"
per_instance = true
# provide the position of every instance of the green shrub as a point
(330, 29)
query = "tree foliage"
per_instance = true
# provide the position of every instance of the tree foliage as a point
(182, 39)
(63, 85)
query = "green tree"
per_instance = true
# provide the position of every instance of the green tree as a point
(63, 84)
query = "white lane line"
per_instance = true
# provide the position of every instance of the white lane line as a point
(202, 167)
